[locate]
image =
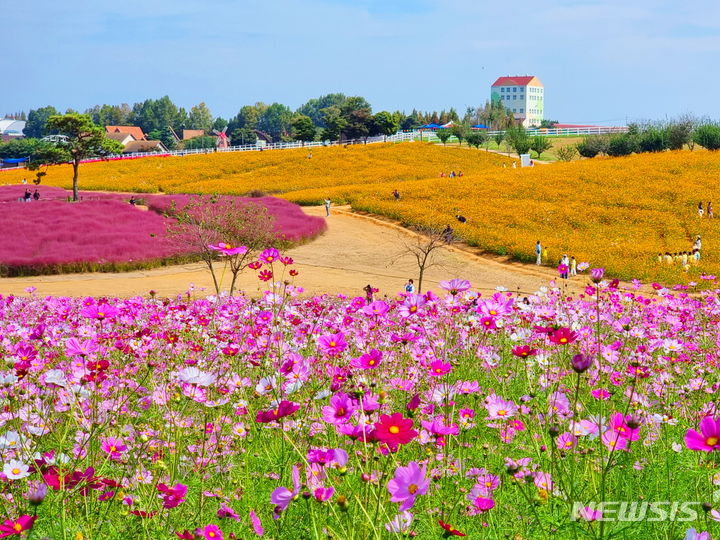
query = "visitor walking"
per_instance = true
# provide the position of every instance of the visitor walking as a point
(396, 194)
(538, 253)
(447, 234)
(36, 195)
(700, 209)
(327, 207)
(461, 219)
(27, 196)
(709, 209)
(545, 254)
(565, 263)
(573, 266)
(410, 286)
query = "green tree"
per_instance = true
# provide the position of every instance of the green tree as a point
(314, 107)
(158, 114)
(220, 124)
(247, 117)
(499, 138)
(303, 128)
(358, 118)
(460, 131)
(518, 139)
(200, 117)
(81, 140)
(110, 115)
(37, 121)
(680, 132)
(19, 148)
(548, 123)
(242, 137)
(276, 121)
(204, 141)
(334, 122)
(386, 123)
(443, 135)
(539, 145)
(708, 136)
(476, 138)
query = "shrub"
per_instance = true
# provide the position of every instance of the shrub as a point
(593, 145)
(653, 140)
(708, 136)
(566, 153)
(623, 144)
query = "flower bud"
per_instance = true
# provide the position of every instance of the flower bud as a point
(596, 274)
(581, 363)
(38, 496)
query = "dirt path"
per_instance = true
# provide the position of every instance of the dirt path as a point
(355, 250)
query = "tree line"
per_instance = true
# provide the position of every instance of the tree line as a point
(330, 117)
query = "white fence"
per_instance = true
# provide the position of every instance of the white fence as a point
(401, 136)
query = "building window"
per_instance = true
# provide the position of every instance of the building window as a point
(514, 88)
(522, 110)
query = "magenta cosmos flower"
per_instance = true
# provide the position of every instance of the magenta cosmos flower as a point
(367, 361)
(394, 430)
(114, 447)
(11, 527)
(332, 344)
(284, 408)
(210, 532)
(408, 483)
(172, 496)
(228, 249)
(563, 336)
(709, 437)
(269, 256)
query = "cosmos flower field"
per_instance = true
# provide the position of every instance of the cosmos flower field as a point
(445, 414)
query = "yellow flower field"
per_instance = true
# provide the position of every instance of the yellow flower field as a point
(616, 213)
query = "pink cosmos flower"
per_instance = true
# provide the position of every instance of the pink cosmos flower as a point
(438, 368)
(284, 408)
(172, 496)
(499, 408)
(408, 483)
(333, 344)
(455, 286)
(340, 410)
(228, 250)
(75, 347)
(566, 441)
(563, 336)
(394, 430)
(524, 351)
(618, 424)
(256, 523)
(11, 527)
(411, 305)
(367, 361)
(269, 256)
(114, 447)
(614, 441)
(588, 514)
(322, 494)
(265, 275)
(226, 512)
(99, 311)
(282, 496)
(210, 532)
(709, 437)
(600, 393)
(378, 308)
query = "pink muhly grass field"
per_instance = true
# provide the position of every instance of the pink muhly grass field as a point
(103, 232)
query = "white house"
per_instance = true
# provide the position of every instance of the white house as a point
(524, 96)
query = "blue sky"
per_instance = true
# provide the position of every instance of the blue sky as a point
(601, 61)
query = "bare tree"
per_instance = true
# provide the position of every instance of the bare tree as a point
(423, 246)
(210, 220)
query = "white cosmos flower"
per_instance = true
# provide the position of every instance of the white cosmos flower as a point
(192, 375)
(14, 469)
